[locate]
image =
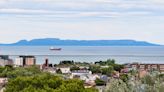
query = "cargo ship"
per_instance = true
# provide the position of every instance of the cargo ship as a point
(57, 49)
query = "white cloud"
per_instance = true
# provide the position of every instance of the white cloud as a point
(96, 19)
(156, 1)
(24, 11)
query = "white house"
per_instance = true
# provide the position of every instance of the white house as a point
(3, 80)
(85, 75)
(65, 70)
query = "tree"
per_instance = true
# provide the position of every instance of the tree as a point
(118, 67)
(99, 82)
(74, 68)
(21, 71)
(107, 71)
(124, 78)
(95, 69)
(117, 85)
(148, 80)
(110, 62)
(45, 82)
(66, 62)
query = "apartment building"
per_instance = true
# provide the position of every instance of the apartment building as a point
(5, 60)
(148, 67)
(25, 61)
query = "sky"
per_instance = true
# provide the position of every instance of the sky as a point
(141, 20)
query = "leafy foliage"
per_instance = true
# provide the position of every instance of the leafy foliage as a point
(117, 85)
(74, 68)
(45, 83)
(95, 69)
(31, 79)
(124, 77)
(99, 82)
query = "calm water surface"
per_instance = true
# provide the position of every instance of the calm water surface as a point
(89, 53)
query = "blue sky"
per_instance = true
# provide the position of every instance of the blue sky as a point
(82, 19)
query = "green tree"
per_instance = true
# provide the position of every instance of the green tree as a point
(124, 77)
(117, 85)
(95, 69)
(148, 80)
(99, 82)
(45, 82)
(107, 71)
(74, 68)
(118, 67)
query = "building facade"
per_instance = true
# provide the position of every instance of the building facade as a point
(5, 60)
(148, 67)
(25, 61)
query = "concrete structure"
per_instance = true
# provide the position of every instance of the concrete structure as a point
(45, 65)
(47, 68)
(30, 61)
(148, 67)
(25, 61)
(18, 62)
(4, 60)
(161, 67)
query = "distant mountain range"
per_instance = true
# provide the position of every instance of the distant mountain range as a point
(59, 42)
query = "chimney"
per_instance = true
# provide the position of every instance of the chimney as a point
(46, 63)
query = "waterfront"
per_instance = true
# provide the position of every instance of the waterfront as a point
(123, 54)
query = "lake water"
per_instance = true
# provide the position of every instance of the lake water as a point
(123, 54)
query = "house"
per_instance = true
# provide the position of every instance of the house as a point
(85, 75)
(81, 72)
(104, 78)
(65, 70)
(3, 81)
(50, 70)
(125, 70)
(89, 84)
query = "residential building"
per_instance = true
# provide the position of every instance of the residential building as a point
(50, 70)
(5, 60)
(161, 67)
(81, 72)
(65, 70)
(18, 62)
(147, 67)
(142, 67)
(25, 61)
